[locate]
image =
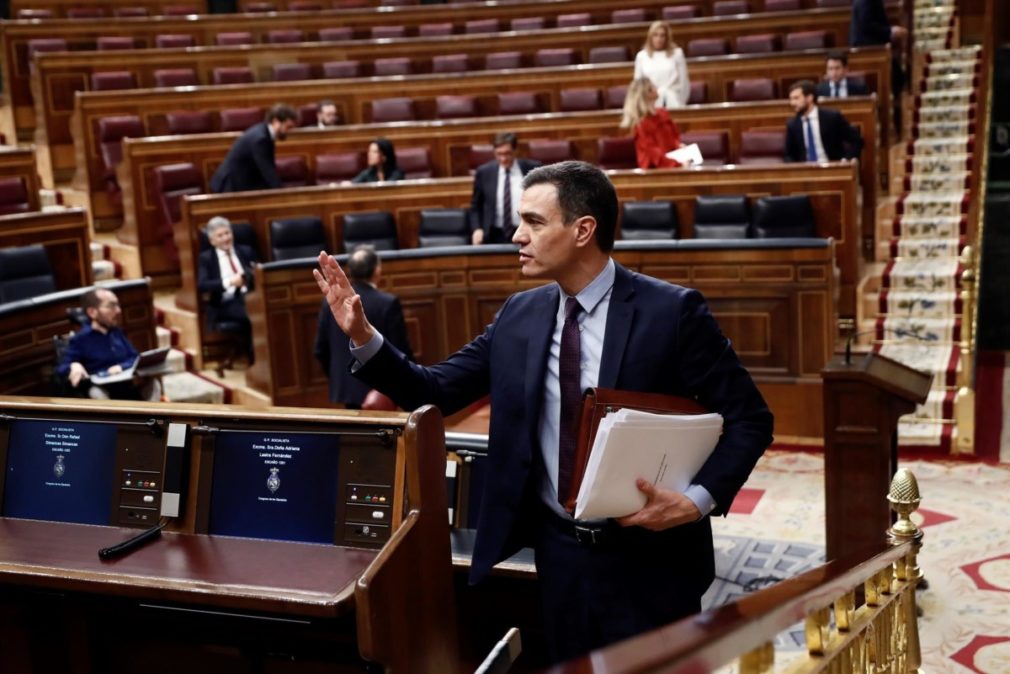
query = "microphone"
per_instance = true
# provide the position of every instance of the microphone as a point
(130, 544)
(899, 333)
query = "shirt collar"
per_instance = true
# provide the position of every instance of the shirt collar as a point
(597, 289)
(812, 112)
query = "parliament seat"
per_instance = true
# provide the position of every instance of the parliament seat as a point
(308, 115)
(397, 109)
(762, 147)
(635, 15)
(240, 119)
(503, 60)
(233, 38)
(183, 122)
(518, 103)
(128, 12)
(111, 132)
(258, 7)
(642, 220)
(450, 63)
(304, 6)
(293, 170)
(113, 80)
(285, 36)
(680, 12)
(721, 217)
(336, 34)
(338, 166)
(553, 58)
(708, 46)
(550, 150)
(616, 54)
(28, 14)
(455, 107)
(784, 5)
(415, 162)
(293, 238)
(833, 3)
(373, 228)
(764, 43)
(388, 32)
(173, 41)
(385, 67)
(528, 23)
(45, 44)
(616, 153)
(574, 100)
(714, 145)
(615, 96)
(784, 217)
(478, 155)
(574, 20)
(172, 183)
(730, 7)
(175, 77)
(115, 42)
(333, 70)
(180, 10)
(292, 72)
(443, 29)
(85, 12)
(13, 196)
(238, 75)
(699, 93)
(25, 272)
(752, 89)
(481, 26)
(807, 39)
(443, 227)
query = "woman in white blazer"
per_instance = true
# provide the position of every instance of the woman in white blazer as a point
(663, 62)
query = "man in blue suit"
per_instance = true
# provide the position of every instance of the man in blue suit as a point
(601, 581)
(249, 164)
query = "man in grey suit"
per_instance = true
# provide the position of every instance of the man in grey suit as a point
(496, 189)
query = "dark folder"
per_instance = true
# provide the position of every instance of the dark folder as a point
(599, 402)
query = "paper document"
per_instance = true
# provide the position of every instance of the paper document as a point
(686, 155)
(665, 449)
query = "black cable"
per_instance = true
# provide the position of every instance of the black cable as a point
(130, 544)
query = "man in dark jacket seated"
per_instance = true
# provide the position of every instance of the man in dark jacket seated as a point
(818, 134)
(224, 276)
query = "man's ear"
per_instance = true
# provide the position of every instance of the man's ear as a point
(585, 230)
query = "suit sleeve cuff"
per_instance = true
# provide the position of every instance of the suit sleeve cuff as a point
(364, 353)
(701, 498)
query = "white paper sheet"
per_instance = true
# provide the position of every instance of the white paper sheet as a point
(686, 155)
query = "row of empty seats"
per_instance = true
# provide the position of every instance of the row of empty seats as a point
(94, 12)
(25, 272)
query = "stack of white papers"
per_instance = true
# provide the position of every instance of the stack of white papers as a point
(668, 450)
(687, 155)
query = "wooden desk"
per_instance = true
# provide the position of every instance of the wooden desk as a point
(59, 7)
(19, 162)
(449, 144)
(774, 300)
(64, 233)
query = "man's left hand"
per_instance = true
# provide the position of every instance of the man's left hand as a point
(662, 510)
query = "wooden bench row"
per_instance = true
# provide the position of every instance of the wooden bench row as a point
(772, 299)
(60, 74)
(65, 235)
(58, 9)
(20, 162)
(448, 144)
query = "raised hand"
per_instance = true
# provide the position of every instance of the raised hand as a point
(345, 304)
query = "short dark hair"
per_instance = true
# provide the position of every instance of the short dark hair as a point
(505, 138)
(583, 189)
(282, 112)
(838, 55)
(362, 262)
(808, 88)
(325, 103)
(91, 300)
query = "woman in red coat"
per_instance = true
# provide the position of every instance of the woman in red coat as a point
(655, 133)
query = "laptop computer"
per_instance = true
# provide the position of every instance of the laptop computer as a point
(146, 363)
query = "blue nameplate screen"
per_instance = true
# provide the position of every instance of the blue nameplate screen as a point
(275, 485)
(60, 471)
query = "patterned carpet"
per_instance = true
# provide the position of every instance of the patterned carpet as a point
(777, 528)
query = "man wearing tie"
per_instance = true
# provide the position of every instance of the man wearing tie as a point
(224, 276)
(818, 134)
(836, 82)
(593, 323)
(496, 188)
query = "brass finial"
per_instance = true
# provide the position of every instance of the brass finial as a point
(904, 499)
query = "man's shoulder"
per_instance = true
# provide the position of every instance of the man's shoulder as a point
(649, 287)
(527, 165)
(822, 89)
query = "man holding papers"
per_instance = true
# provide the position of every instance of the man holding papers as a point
(596, 324)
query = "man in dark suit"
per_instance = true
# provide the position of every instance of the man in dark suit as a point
(816, 133)
(596, 324)
(224, 276)
(869, 25)
(249, 164)
(382, 310)
(496, 188)
(836, 82)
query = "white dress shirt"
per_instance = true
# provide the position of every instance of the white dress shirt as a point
(227, 272)
(815, 125)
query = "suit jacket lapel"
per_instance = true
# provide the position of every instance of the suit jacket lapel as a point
(620, 317)
(540, 322)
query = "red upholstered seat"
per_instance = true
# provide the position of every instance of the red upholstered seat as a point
(286, 36)
(304, 6)
(714, 145)
(677, 12)
(546, 58)
(233, 76)
(550, 150)
(113, 42)
(292, 72)
(752, 89)
(415, 162)
(308, 114)
(518, 103)
(341, 69)
(175, 77)
(576, 20)
(807, 39)
(699, 93)
(388, 32)
(332, 168)
(762, 147)
(528, 23)
(454, 107)
(479, 155)
(708, 46)
(180, 10)
(129, 11)
(258, 7)
(85, 13)
(785, 5)
(615, 96)
(481, 26)
(338, 34)
(111, 132)
(729, 7)
(172, 182)
(616, 153)
(293, 170)
(616, 54)
(183, 122)
(834, 3)
(450, 63)
(13, 196)
(173, 41)
(111, 81)
(240, 119)
(399, 65)
(397, 109)
(757, 44)
(47, 44)
(636, 15)
(434, 29)
(503, 60)
(230, 39)
(573, 100)
(28, 14)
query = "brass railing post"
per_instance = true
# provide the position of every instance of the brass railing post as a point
(904, 499)
(964, 401)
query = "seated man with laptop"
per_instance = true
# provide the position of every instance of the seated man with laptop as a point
(101, 360)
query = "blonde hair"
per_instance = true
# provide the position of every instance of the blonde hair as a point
(636, 107)
(665, 27)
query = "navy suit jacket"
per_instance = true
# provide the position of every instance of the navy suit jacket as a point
(208, 277)
(383, 311)
(869, 24)
(249, 164)
(660, 338)
(852, 88)
(485, 193)
(841, 140)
